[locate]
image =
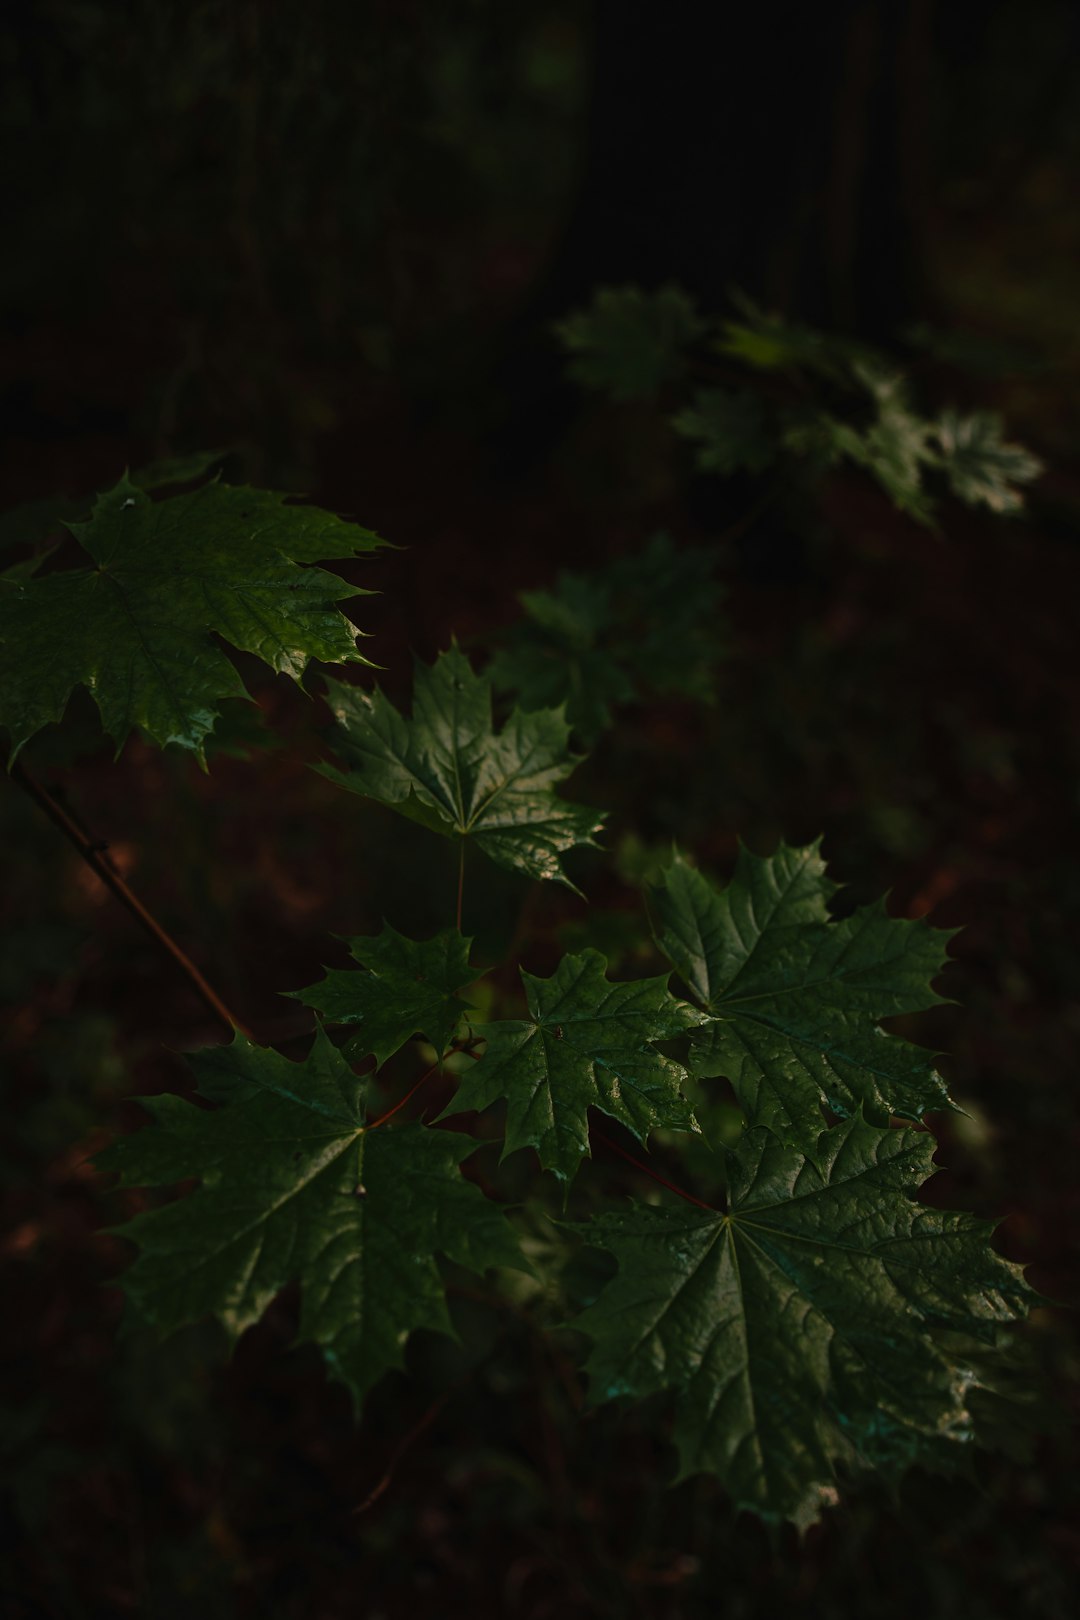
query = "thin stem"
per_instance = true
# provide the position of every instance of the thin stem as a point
(655, 1174)
(460, 882)
(413, 1089)
(93, 853)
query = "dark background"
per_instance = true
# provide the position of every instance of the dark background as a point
(332, 238)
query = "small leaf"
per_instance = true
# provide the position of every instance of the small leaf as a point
(731, 431)
(293, 1189)
(628, 343)
(586, 1044)
(448, 769)
(795, 999)
(410, 989)
(980, 466)
(812, 1324)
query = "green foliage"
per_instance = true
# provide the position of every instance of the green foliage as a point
(981, 467)
(794, 999)
(135, 627)
(586, 1044)
(447, 768)
(410, 988)
(294, 1188)
(629, 343)
(825, 1317)
(651, 622)
(807, 398)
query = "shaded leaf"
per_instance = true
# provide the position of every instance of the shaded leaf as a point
(586, 1044)
(808, 1326)
(410, 988)
(293, 1189)
(730, 429)
(795, 998)
(628, 343)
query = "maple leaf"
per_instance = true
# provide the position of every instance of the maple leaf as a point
(730, 429)
(135, 628)
(651, 621)
(795, 998)
(294, 1189)
(587, 1043)
(818, 1321)
(410, 987)
(629, 342)
(449, 770)
(980, 466)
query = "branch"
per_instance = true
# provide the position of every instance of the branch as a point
(93, 853)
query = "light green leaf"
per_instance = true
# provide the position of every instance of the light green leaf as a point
(815, 1323)
(586, 1044)
(448, 769)
(135, 627)
(294, 1189)
(980, 466)
(794, 998)
(410, 989)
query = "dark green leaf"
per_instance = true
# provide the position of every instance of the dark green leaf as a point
(448, 769)
(410, 988)
(808, 1326)
(628, 343)
(135, 628)
(294, 1189)
(795, 999)
(730, 429)
(586, 1044)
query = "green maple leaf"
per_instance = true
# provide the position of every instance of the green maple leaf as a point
(135, 628)
(795, 998)
(821, 1320)
(556, 657)
(410, 987)
(980, 466)
(586, 1044)
(651, 621)
(294, 1189)
(730, 430)
(448, 769)
(628, 343)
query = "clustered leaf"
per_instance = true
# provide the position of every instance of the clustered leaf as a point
(135, 627)
(294, 1189)
(845, 401)
(824, 1318)
(794, 998)
(447, 768)
(586, 1044)
(410, 987)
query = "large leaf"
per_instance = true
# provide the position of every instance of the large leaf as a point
(586, 1044)
(294, 1189)
(447, 768)
(135, 628)
(795, 998)
(730, 429)
(410, 988)
(819, 1320)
